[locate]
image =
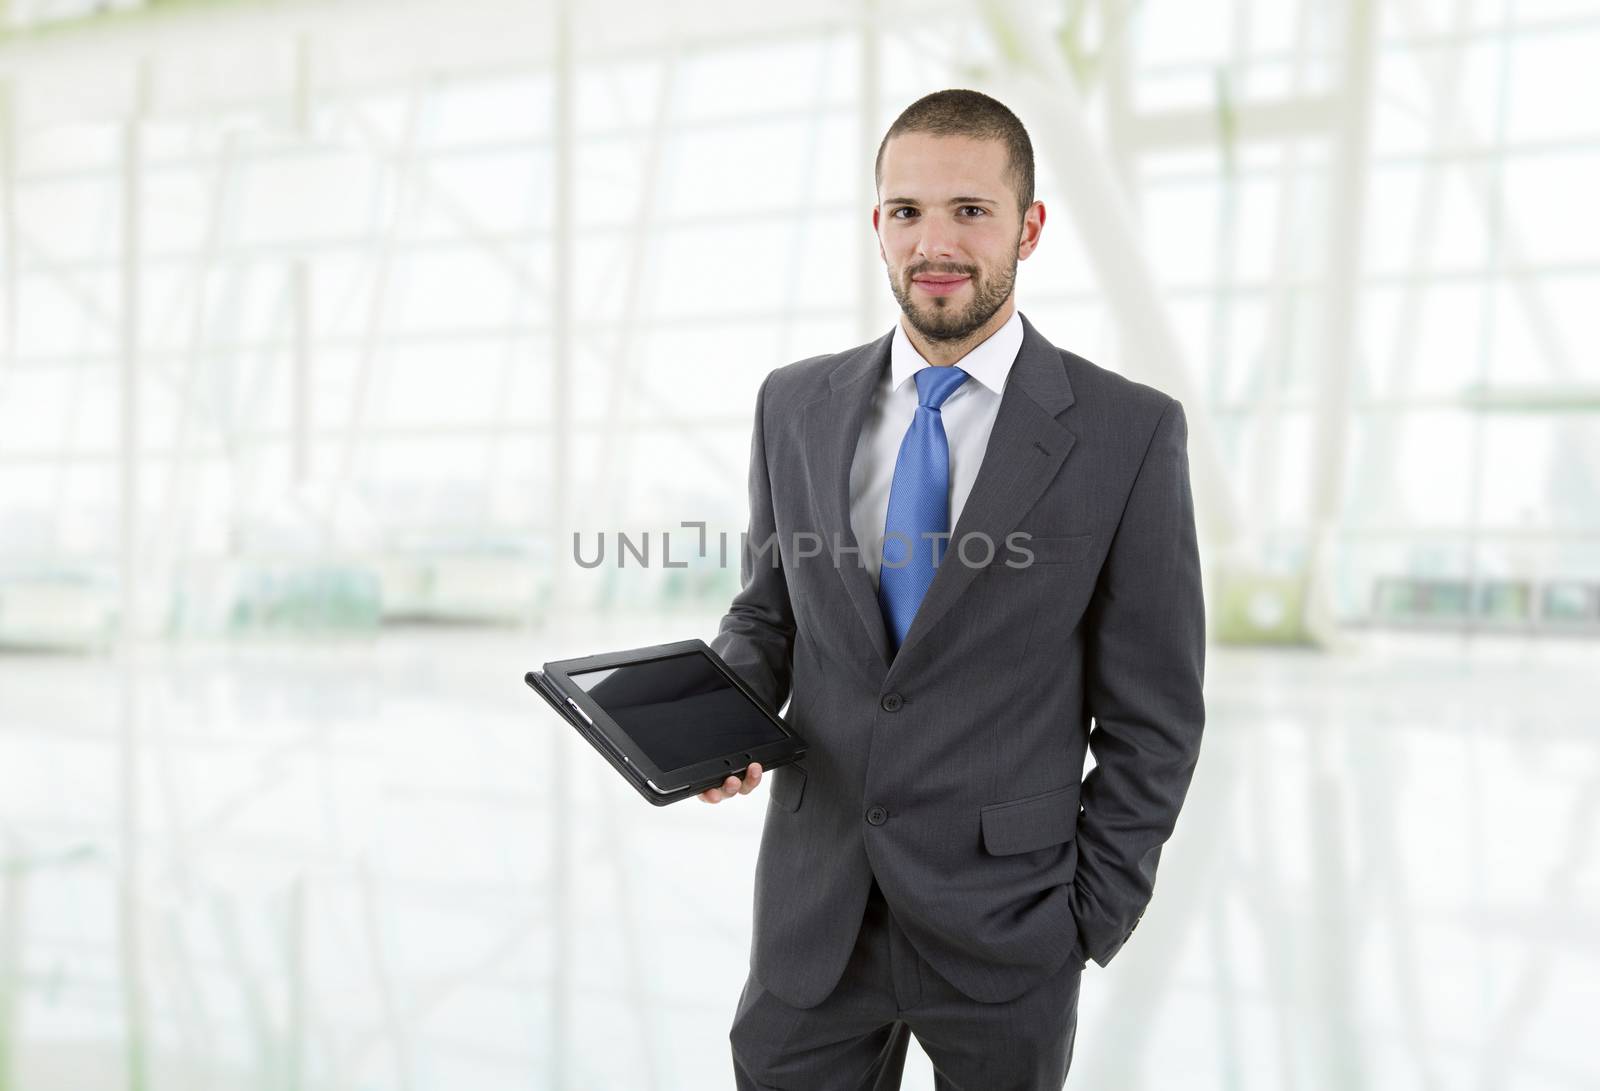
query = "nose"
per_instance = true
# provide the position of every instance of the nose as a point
(936, 242)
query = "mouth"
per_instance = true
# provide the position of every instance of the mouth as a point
(940, 283)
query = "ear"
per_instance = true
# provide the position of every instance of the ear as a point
(1032, 226)
(877, 236)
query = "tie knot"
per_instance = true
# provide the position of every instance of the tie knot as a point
(935, 384)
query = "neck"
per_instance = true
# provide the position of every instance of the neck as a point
(945, 353)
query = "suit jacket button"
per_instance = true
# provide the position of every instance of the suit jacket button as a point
(891, 702)
(877, 816)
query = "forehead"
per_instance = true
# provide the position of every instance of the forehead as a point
(923, 165)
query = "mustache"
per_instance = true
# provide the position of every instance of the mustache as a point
(936, 270)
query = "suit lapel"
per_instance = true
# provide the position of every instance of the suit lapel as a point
(1026, 449)
(832, 428)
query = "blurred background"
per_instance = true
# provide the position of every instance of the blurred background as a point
(324, 327)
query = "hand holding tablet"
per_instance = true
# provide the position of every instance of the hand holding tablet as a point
(735, 786)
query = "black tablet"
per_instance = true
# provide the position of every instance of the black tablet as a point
(673, 719)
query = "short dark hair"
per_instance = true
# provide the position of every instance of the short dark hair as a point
(960, 112)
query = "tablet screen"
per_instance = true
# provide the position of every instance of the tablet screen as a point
(680, 710)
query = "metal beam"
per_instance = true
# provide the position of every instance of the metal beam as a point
(1340, 317)
(8, 233)
(130, 915)
(1264, 122)
(562, 852)
(869, 271)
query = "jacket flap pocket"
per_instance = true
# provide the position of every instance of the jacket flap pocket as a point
(1045, 550)
(1033, 822)
(788, 786)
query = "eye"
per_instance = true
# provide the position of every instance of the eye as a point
(975, 208)
(895, 214)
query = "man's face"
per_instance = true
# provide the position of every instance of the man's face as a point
(949, 231)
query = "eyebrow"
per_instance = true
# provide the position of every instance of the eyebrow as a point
(951, 201)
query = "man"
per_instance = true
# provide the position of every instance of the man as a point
(926, 868)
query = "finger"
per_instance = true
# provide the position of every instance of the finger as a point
(710, 795)
(730, 787)
(752, 777)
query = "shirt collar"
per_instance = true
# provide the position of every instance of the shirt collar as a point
(989, 363)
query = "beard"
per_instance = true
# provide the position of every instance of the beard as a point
(940, 318)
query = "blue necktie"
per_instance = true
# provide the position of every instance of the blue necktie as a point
(919, 503)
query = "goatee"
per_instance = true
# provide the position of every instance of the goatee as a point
(940, 319)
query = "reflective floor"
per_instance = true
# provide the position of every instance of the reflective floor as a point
(371, 865)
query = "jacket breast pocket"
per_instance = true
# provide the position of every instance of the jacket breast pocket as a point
(1045, 551)
(1032, 822)
(788, 786)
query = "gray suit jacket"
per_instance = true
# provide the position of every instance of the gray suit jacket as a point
(953, 772)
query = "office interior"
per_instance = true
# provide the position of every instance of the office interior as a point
(326, 327)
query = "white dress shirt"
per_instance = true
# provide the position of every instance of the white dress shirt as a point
(968, 419)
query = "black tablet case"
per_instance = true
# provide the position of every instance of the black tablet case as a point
(553, 697)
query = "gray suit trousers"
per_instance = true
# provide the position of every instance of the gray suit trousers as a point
(856, 1038)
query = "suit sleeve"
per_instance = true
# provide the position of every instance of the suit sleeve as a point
(1144, 669)
(756, 636)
